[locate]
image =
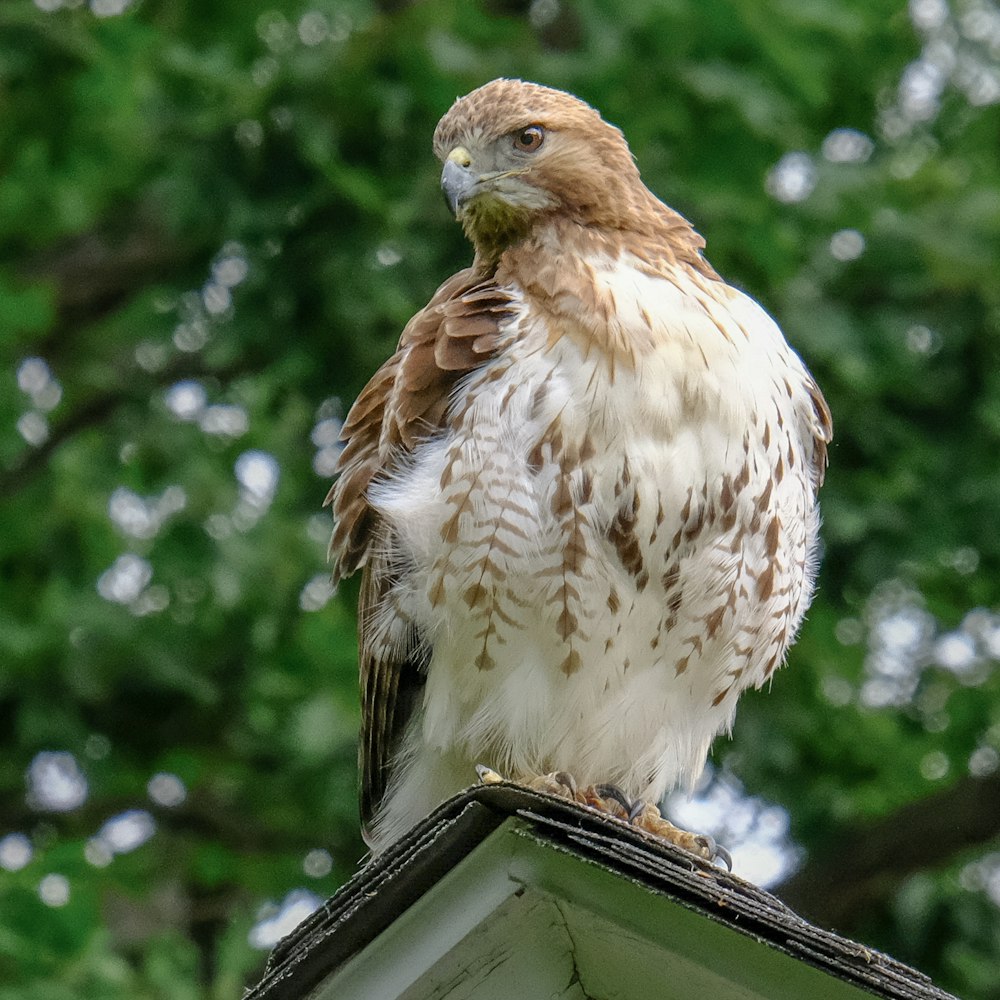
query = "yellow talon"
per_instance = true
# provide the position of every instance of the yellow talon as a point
(487, 776)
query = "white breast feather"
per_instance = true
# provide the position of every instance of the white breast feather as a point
(484, 553)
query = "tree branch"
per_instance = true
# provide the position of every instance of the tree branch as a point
(96, 272)
(138, 386)
(868, 863)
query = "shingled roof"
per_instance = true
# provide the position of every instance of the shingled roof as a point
(504, 892)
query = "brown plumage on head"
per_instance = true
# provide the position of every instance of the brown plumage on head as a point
(582, 172)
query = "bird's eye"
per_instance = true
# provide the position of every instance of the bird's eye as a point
(529, 139)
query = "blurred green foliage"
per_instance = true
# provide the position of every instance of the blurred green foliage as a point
(214, 221)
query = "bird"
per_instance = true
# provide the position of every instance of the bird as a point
(582, 491)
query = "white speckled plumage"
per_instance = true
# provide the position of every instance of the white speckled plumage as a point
(678, 423)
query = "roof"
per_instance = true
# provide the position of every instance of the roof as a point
(506, 892)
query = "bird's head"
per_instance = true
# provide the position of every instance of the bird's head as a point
(515, 154)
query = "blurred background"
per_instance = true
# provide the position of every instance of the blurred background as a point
(215, 220)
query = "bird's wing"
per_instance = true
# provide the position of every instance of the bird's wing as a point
(406, 402)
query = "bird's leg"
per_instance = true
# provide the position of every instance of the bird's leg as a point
(612, 800)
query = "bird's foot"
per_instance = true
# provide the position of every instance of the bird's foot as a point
(562, 784)
(612, 800)
(647, 817)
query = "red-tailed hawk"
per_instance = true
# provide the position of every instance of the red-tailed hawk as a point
(583, 489)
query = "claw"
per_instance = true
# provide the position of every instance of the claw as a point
(560, 783)
(710, 850)
(721, 854)
(487, 776)
(638, 808)
(614, 793)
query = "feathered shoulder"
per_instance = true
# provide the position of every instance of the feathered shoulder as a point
(407, 399)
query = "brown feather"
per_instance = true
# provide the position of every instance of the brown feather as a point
(407, 398)
(822, 434)
(406, 402)
(391, 679)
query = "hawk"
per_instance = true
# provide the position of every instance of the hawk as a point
(582, 491)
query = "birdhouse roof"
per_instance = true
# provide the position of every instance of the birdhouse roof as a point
(507, 893)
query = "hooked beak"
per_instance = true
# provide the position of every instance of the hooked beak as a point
(458, 182)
